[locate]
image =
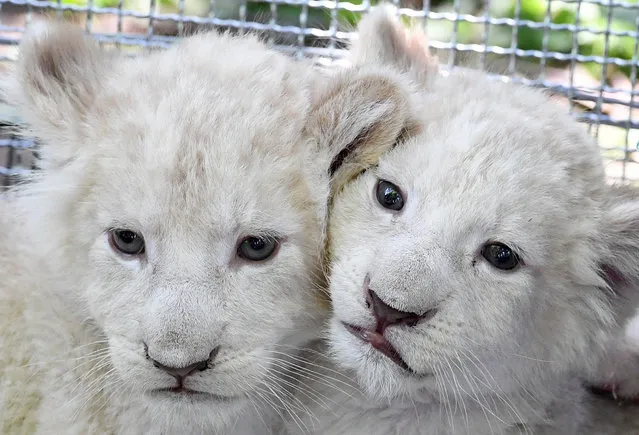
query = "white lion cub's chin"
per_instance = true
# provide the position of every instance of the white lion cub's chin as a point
(161, 270)
(472, 267)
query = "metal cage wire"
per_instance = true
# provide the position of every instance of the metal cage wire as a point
(583, 51)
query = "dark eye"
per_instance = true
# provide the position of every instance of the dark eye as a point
(500, 256)
(389, 196)
(257, 248)
(126, 242)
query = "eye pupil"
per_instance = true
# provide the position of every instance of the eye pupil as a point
(389, 196)
(503, 255)
(392, 197)
(127, 236)
(256, 243)
(257, 248)
(500, 256)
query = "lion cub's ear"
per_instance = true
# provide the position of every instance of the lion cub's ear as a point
(54, 83)
(359, 117)
(619, 237)
(384, 41)
(370, 106)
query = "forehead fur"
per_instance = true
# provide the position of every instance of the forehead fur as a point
(507, 122)
(497, 148)
(179, 126)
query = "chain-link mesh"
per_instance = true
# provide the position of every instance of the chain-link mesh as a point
(584, 52)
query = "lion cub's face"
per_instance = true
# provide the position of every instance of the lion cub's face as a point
(204, 237)
(470, 258)
(184, 208)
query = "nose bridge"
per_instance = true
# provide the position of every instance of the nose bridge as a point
(410, 273)
(182, 257)
(182, 324)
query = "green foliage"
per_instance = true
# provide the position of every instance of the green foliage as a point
(592, 42)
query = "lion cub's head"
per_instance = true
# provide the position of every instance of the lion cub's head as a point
(482, 248)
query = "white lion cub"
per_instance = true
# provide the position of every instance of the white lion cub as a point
(472, 268)
(160, 271)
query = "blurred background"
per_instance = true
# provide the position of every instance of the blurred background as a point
(584, 52)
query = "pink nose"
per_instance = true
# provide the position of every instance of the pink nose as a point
(387, 316)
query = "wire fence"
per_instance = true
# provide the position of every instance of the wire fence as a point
(585, 52)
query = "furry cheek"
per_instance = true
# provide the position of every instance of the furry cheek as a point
(115, 286)
(131, 366)
(347, 291)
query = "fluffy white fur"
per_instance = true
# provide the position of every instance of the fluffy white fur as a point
(195, 148)
(618, 372)
(619, 369)
(506, 351)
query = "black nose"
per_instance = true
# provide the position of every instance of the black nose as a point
(180, 373)
(387, 315)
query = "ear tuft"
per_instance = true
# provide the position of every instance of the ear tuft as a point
(383, 40)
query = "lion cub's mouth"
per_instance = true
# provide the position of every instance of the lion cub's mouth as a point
(180, 391)
(379, 342)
